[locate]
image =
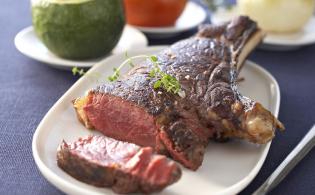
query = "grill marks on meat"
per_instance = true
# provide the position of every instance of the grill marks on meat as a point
(207, 68)
(127, 168)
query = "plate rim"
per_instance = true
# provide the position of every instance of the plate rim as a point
(71, 188)
(173, 29)
(67, 64)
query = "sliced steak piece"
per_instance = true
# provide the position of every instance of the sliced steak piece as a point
(207, 68)
(126, 167)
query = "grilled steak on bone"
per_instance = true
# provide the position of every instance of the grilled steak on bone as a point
(207, 68)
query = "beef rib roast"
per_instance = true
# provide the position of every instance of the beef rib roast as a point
(207, 67)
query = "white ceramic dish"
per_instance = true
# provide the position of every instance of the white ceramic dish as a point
(28, 44)
(192, 16)
(275, 41)
(227, 168)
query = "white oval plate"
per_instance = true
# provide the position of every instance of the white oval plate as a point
(227, 168)
(275, 41)
(28, 44)
(192, 16)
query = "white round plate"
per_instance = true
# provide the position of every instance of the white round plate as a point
(192, 16)
(28, 44)
(227, 167)
(275, 41)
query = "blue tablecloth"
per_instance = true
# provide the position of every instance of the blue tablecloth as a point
(29, 88)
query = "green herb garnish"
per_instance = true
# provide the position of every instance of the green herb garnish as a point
(164, 80)
(81, 72)
(76, 70)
